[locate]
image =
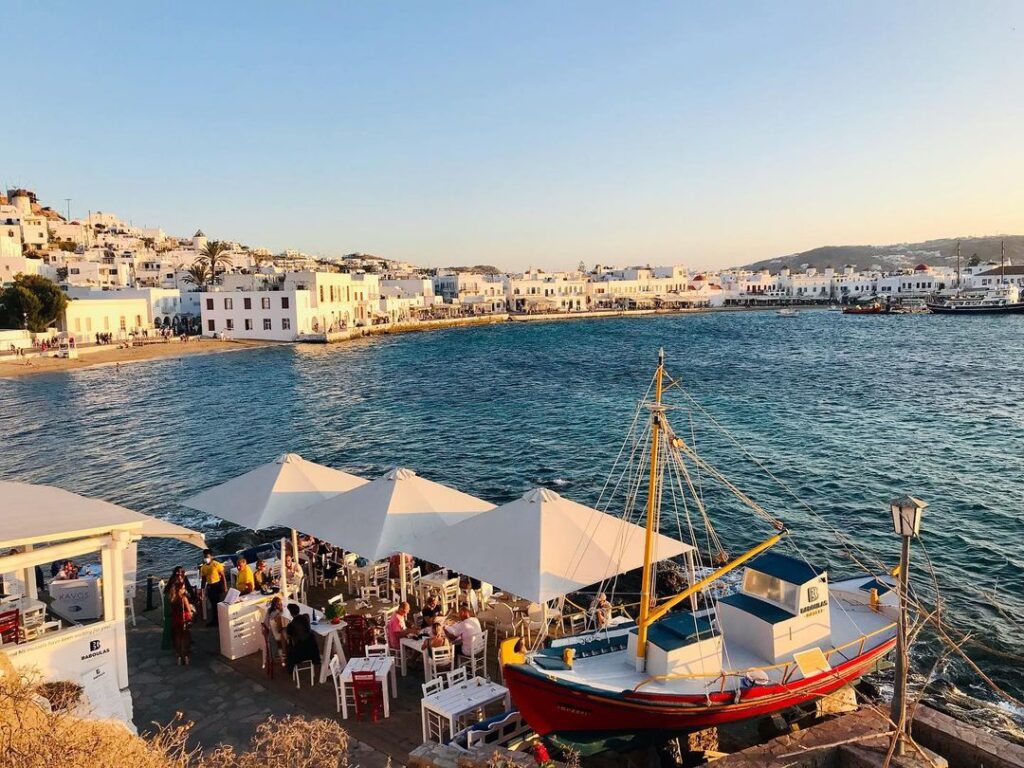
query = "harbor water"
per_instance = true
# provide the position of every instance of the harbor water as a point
(847, 412)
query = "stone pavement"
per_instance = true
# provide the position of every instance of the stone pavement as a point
(225, 704)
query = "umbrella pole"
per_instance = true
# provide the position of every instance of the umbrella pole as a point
(402, 576)
(284, 571)
(295, 545)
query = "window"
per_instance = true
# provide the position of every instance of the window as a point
(247, 303)
(286, 324)
(284, 302)
(209, 303)
(321, 293)
(248, 323)
(210, 326)
(123, 323)
(265, 302)
(229, 324)
(229, 304)
(138, 321)
(266, 323)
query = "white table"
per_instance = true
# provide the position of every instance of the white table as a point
(452, 703)
(432, 582)
(328, 632)
(382, 666)
(406, 644)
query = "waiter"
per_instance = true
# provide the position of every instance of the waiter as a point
(212, 573)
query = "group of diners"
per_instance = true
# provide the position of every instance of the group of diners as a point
(433, 627)
(290, 635)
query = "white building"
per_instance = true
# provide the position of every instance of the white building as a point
(163, 305)
(84, 318)
(270, 315)
(12, 266)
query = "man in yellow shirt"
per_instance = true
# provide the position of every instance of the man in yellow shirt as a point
(212, 573)
(244, 581)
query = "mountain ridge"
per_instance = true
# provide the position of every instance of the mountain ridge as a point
(937, 252)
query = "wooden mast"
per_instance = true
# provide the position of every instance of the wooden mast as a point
(652, 510)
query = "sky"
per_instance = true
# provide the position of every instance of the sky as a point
(524, 134)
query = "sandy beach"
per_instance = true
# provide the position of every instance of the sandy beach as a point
(95, 357)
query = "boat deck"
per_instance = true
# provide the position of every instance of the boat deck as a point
(615, 671)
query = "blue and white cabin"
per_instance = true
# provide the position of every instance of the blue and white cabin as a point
(781, 609)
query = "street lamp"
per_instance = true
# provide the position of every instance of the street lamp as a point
(906, 520)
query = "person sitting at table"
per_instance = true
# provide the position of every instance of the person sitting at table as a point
(301, 643)
(431, 611)
(261, 577)
(292, 570)
(437, 638)
(464, 631)
(602, 610)
(396, 628)
(244, 581)
(274, 623)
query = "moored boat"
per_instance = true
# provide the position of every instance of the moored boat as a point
(704, 657)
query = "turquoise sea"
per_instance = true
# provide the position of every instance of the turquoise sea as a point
(847, 411)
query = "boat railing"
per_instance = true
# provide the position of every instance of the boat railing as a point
(788, 668)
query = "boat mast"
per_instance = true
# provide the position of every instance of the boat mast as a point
(957, 267)
(1002, 263)
(652, 510)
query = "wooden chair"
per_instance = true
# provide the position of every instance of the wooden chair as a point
(369, 593)
(475, 658)
(437, 659)
(381, 571)
(304, 666)
(377, 651)
(436, 725)
(368, 695)
(450, 595)
(358, 634)
(10, 627)
(457, 676)
(502, 620)
(339, 687)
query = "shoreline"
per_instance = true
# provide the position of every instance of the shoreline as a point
(101, 357)
(108, 356)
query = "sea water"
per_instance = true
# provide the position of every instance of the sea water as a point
(846, 412)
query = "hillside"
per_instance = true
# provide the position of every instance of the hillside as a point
(902, 255)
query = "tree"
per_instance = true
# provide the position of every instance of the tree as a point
(31, 300)
(974, 260)
(216, 258)
(198, 275)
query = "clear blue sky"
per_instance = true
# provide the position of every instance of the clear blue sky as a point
(524, 133)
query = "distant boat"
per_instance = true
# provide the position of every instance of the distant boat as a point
(834, 308)
(864, 309)
(788, 312)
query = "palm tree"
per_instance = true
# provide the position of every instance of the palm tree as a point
(216, 258)
(198, 275)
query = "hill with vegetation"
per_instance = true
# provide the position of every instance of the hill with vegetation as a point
(900, 255)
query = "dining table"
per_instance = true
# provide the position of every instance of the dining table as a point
(382, 666)
(453, 703)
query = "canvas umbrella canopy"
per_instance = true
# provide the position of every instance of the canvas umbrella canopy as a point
(542, 546)
(389, 515)
(269, 494)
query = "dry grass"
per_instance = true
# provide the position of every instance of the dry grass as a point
(32, 737)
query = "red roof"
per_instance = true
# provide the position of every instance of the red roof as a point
(921, 268)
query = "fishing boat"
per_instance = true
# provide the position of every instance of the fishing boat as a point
(784, 635)
(788, 312)
(874, 308)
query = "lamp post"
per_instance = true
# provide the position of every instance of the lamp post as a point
(906, 519)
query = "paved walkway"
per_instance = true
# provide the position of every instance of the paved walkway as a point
(225, 704)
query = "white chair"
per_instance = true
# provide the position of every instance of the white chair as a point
(304, 666)
(502, 620)
(377, 651)
(366, 593)
(457, 676)
(338, 598)
(475, 657)
(538, 618)
(474, 602)
(577, 623)
(381, 571)
(437, 659)
(450, 595)
(436, 725)
(339, 687)
(129, 600)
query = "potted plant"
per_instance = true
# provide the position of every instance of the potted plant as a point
(335, 612)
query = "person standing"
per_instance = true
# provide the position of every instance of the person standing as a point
(212, 572)
(181, 624)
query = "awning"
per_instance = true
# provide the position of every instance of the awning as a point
(33, 514)
(263, 497)
(542, 546)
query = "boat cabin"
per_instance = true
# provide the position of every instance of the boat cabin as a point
(781, 609)
(681, 644)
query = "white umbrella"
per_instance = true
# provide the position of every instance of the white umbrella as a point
(389, 515)
(267, 495)
(542, 546)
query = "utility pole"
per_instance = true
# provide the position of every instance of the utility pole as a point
(906, 518)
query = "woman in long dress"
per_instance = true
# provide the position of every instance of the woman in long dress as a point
(181, 624)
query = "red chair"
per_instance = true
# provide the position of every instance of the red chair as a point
(368, 695)
(10, 625)
(358, 634)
